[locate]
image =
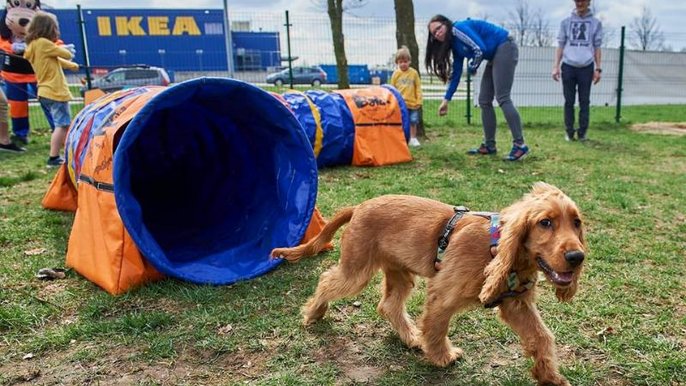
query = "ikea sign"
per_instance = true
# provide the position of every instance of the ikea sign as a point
(176, 39)
(147, 26)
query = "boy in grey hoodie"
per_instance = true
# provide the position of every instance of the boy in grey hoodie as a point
(579, 53)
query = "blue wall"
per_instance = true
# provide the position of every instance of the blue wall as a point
(179, 40)
(357, 73)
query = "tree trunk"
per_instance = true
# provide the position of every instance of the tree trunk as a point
(335, 10)
(404, 29)
(404, 35)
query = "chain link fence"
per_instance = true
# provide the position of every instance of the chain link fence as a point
(630, 77)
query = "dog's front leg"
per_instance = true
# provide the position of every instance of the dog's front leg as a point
(537, 340)
(434, 324)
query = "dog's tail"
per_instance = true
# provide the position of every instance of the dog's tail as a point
(318, 243)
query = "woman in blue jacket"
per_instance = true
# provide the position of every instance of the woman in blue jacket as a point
(478, 40)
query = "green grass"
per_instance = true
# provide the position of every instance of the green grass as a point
(627, 325)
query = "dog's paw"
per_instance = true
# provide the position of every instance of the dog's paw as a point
(308, 321)
(289, 254)
(446, 358)
(413, 342)
(312, 313)
(557, 380)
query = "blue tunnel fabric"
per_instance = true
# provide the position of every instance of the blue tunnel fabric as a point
(210, 176)
(338, 127)
(301, 108)
(404, 114)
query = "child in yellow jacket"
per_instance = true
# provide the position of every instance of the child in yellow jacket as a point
(406, 80)
(48, 59)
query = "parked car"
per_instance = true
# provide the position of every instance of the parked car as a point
(127, 77)
(313, 75)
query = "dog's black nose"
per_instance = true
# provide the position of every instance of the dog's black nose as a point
(574, 258)
(24, 22)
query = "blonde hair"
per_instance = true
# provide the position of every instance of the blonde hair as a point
(403, 53)
(43, 25)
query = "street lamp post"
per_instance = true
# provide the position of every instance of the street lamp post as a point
(199, 52)
(123, 56)
(162, 51)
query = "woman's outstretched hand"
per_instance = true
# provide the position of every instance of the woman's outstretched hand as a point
(443, 108)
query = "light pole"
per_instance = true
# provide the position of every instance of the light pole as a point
(199, 52)
(162, 51)
(123, 56)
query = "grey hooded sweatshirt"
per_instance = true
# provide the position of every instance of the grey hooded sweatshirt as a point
(579, 37)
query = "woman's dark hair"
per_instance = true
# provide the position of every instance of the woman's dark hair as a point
(438, 54)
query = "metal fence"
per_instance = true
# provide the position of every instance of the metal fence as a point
(629, 76)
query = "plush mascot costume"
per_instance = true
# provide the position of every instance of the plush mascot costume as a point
(20, 81)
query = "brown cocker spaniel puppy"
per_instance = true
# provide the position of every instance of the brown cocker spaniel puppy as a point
(542, 232)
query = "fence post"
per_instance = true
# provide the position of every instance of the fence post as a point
(84, 46)
(620, 77)
(228, 40)
(469, 99)
(290, 59)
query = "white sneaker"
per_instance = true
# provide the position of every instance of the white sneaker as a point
(414, 142)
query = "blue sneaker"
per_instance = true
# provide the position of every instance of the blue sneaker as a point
(517, 152)
(482, 150)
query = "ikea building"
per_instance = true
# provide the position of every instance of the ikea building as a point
(178, 40)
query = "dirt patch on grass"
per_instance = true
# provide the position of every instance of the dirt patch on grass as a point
(350, 357)
(669, 128)
(126, 366)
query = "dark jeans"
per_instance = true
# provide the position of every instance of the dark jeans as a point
(577, 79)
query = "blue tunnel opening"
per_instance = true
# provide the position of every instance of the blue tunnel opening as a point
(210, 176)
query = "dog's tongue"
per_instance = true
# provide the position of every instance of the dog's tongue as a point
(562, 278)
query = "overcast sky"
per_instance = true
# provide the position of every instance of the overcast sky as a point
(669, 14)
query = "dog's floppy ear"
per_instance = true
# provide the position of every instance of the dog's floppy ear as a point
(513, 232)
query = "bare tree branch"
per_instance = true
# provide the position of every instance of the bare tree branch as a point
(520, 22)
(335, 10)
(346, 5)
(529, 26)
(541, 35)
(645, 32)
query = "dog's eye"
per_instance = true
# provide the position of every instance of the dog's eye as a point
(29, 4)
(577, 223)
(546, 223)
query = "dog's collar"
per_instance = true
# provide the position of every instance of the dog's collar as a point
(514, 288)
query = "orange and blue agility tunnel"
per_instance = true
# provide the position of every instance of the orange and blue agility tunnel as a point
(208, 176)
(344, 128)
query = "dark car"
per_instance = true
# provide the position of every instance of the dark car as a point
(313, 75)
(127, 77)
